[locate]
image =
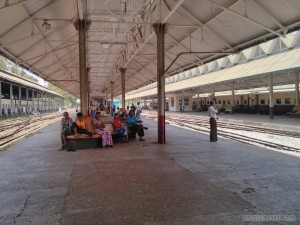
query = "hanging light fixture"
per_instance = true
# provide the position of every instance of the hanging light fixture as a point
(46, 25)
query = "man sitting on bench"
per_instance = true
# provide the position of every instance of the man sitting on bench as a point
(80, 127)
(66, 124)
(135, 125)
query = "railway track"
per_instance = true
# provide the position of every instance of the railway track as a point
(11, 131)
(201, 124)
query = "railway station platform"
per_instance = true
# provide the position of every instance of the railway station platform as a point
(186, 181)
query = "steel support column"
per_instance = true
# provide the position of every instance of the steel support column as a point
(38, 99)
(198, 99)
(271, 98)
(232, 96)
(0, 99)
(112, 93)
(81, 26)
(19, 97)
(106, 96)
(88, 91)
(160, 32)
(11, 97)
(297, 88)
(122, 71)
(242, 102)
(182, 102)
(33, 105)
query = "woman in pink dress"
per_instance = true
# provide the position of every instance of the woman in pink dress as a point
(99, 129)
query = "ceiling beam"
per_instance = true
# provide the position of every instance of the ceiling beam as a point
(56, 62)
(265, 12)
(245, 18)
(204, 26)
(12, 4)
(178, 4)
(42, 39)
(182, 45)
(95, 21)
(25, 20)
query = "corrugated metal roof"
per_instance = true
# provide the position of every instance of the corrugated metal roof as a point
(4, 75)
(254, 74)
(121, 35)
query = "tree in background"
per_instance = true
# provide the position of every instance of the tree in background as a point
(3, 63)
(70, 100)
(15, 69)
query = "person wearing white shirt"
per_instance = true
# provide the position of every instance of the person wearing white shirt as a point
(138, 111)
(212, 113)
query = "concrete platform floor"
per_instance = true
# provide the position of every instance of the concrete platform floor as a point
(186, 181)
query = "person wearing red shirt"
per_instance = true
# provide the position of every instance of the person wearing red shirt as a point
(117, 123)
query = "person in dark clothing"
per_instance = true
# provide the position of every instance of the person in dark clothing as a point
(135, 125)
(212, 113)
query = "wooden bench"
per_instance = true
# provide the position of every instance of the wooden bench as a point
(295, 112)
(84, 142)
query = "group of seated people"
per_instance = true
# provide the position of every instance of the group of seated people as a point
(121, 123)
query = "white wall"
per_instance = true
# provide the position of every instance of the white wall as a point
(177, 99)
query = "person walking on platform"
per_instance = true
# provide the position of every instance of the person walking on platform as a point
(212, 113)
(138, 111)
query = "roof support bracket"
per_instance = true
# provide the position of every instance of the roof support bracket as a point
(185, 53)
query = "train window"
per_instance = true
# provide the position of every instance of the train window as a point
(287, 101)
(278, 100)
(186, 101)
(172, 101)
(180, 101)
(262, 101)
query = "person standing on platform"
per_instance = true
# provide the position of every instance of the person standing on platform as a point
(94, 108)
(212, 113)
(133, 108)
(138, 111)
